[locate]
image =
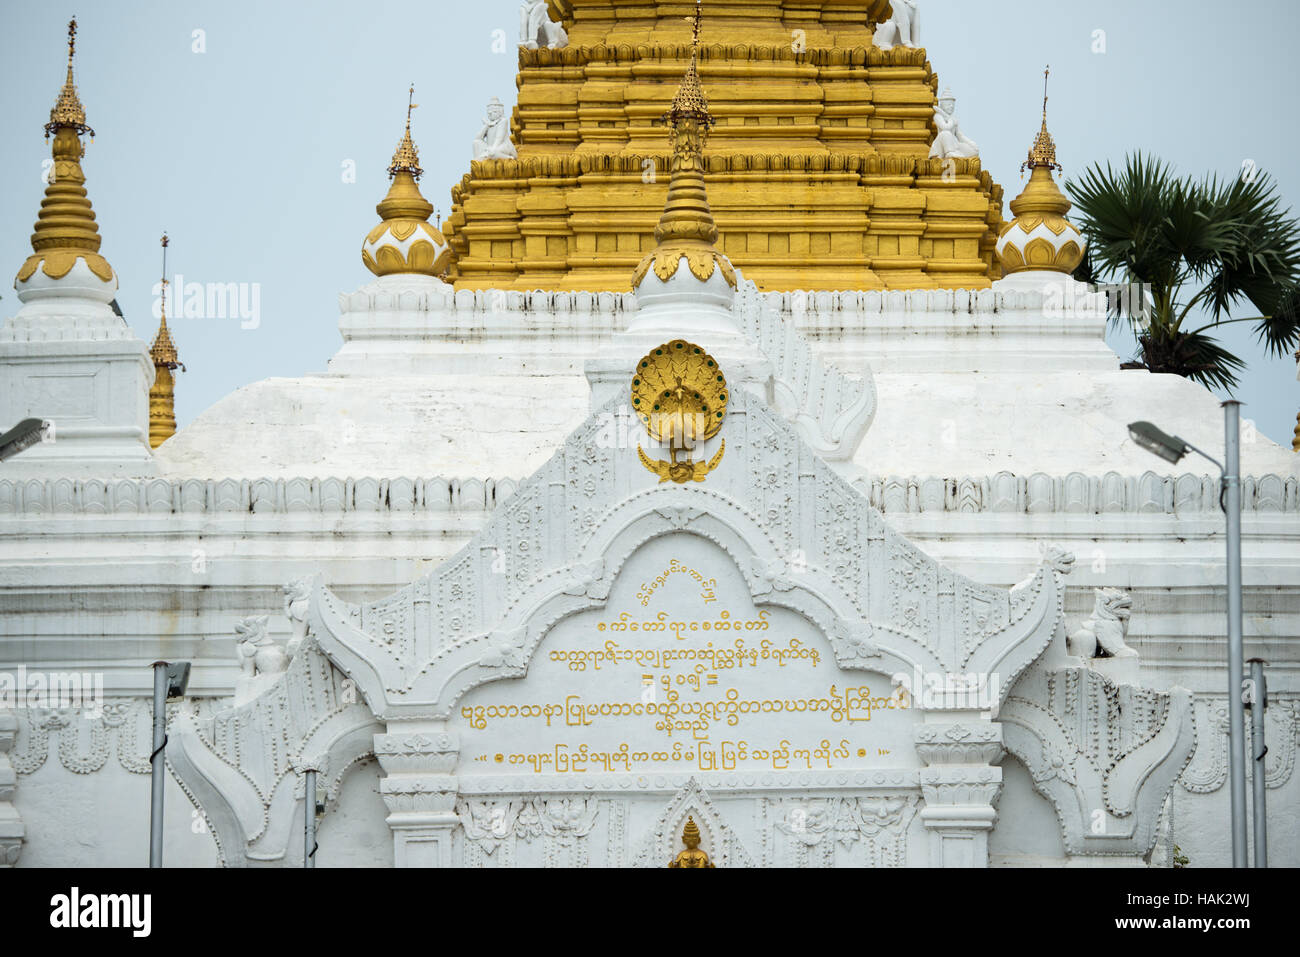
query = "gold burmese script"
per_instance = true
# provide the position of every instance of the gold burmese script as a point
(675, 713)
(781, 755)
(709, 683)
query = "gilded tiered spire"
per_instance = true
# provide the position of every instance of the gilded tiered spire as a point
(394, 246)
(162, 397)
(1040, 238)
(686, 228)
(65, 230)
(1043, 152)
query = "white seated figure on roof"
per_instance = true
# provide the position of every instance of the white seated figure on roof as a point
(493, 140)
(902, 29)
(536, 29)
(950, 142)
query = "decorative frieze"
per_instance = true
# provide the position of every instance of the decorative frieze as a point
(1004, 493)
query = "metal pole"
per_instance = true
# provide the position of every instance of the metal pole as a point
(1258, 704)
(156, 763)
(309, 818)
(1236, 707)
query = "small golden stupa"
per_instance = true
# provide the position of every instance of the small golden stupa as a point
(405, 242)
(162, 396)
(1040, 238)
(65, 230)
(686, 229)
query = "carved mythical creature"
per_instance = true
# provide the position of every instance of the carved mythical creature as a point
(1102, 635)
(493, 140)
(902, 29)
(950, 142)
(691, 857)
(258, 652)
(681, 397)
(297, 596)
(536, 28)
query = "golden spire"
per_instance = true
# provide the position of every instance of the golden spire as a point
(1043, 152)
(686, 228)
(65, 230)
(1040, 238)
(392, 246)
(407, 158)
(162, 396)
(68, 112)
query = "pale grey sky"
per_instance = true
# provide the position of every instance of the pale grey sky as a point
(237, 151)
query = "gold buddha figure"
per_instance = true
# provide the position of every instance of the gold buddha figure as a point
(692, 856)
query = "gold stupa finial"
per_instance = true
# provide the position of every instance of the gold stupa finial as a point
(68, 112)
(1043, 152)
(686, 228)
(163, 350)
(162, 394)
(405, 241)
(65, 231)
(407, 158)
(1040, 238)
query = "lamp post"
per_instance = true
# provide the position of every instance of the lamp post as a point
(1172, 449)
(169, 681)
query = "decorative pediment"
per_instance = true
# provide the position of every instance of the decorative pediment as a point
(658, 847)
(803, 538)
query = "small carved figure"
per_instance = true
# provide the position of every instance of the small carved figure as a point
(493, 140)
(902, 29)
(536, 28)
(1102, 635)
(691, 857)
(950, 142)
(258, 652)
(297, 596)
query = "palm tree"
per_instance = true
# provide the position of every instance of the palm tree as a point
(1206, 244)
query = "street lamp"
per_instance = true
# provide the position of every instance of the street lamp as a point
(1172, 449)
(170, 680)
(23, 436)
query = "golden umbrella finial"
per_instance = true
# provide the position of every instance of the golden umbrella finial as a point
(163, 350)
(68, 111)
(407, 158)
(1043, 152)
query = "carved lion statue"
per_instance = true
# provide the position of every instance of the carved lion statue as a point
(1102, 635)
(258, 652)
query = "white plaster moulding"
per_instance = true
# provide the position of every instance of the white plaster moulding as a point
(1148, 494)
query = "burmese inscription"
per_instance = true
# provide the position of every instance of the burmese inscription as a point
(681, 671)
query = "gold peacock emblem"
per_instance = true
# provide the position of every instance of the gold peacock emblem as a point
(680, 395)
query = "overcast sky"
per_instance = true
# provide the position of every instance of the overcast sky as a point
(238, 150)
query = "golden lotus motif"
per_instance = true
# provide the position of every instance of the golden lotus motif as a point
(681, 397)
